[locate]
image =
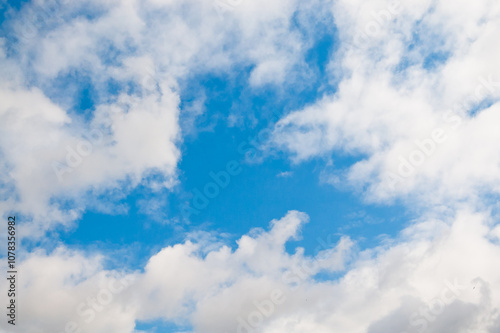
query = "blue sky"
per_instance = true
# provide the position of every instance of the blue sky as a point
(349, 146)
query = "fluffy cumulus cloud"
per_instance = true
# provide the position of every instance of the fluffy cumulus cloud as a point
(415, 105)
(416, 102)
(436, 276)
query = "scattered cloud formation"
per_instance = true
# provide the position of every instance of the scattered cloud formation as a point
(134, 55)
(415, 107)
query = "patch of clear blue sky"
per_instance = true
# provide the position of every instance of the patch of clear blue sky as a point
(159, 326)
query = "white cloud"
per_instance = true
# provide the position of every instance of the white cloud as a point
(389, 104)
(285, 174)
(437, 275)
(49, 155)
